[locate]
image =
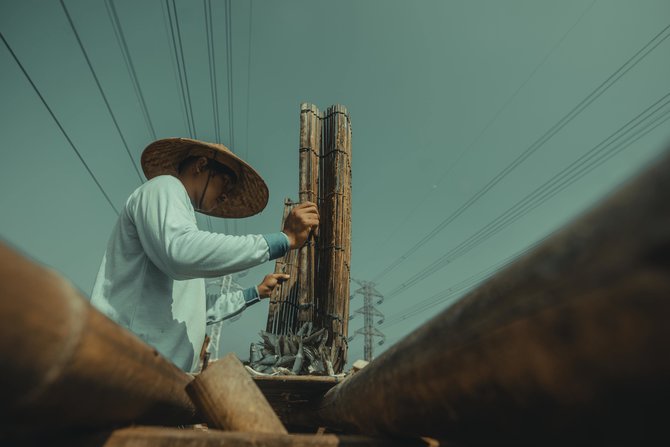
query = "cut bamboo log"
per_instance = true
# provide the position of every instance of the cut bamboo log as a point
(569, 343)
(65, 365)
(229, 399)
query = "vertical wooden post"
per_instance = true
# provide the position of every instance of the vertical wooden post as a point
(318, 290)
(282, 299)
(335, 241)
(310, 139)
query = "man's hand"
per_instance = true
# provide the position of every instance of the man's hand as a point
(267, 286)
(302, 219)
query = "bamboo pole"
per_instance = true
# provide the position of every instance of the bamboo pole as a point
(229, 399)
(65, 365)
(569, 343)
(335, 251)
(282, 265)
(310, 137)
(320, 281)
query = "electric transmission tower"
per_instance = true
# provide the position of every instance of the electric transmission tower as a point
(370, 312)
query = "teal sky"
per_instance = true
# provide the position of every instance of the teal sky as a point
(444, 96)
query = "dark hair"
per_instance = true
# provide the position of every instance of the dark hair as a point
(212, 165)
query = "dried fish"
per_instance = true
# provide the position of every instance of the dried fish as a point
(269, 360)
(297, 366)
(255, 352)
(277, 343)
(329, 365)
(292, 348)
(286, 349)
(303, 328)
(304, 352)
(309, 354)
(285, 360)
(315, 336)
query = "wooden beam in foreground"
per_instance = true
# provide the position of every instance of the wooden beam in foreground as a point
(65, 365)
(171, 437)
(229, 399)
(569, 344)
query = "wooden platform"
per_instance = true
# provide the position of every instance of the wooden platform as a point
(294, 398)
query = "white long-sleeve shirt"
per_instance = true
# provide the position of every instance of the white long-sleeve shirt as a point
(151, 276)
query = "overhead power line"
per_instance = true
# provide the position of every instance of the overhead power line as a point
(229, 66)
(459, 288)
(402, 223)
(643, 123)
(652, 117)
(209, 28)
(212, 68)
(123, 46)
(67, 137)
(229, 61)
(102, 93)
(182, 74)
(564, 121)
(178, 48)
(246, 140)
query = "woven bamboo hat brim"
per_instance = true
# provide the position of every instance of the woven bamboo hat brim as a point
(250, 194)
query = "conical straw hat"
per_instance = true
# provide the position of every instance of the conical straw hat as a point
(250, 194)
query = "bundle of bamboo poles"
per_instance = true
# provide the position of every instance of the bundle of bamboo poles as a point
(318, 290)
(283, 310)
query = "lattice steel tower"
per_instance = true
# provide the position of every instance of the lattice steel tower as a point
(370, 312)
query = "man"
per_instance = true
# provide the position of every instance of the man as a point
(151, 279)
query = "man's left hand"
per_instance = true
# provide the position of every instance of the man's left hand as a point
(270, 282)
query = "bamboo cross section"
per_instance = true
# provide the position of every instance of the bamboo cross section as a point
(318, 291)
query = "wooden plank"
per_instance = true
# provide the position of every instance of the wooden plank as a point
(569, 343)
(227, 397)
(171, 437)
(66, 366)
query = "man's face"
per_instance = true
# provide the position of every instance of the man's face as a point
(217, 191)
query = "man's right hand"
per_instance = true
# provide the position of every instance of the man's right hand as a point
(302, 219)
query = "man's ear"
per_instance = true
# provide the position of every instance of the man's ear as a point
(200, 164)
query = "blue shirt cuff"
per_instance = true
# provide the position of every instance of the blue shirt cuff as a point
(277, 243)
(251, 295)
